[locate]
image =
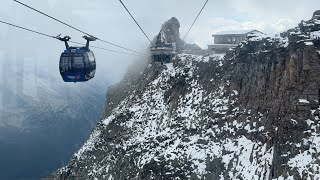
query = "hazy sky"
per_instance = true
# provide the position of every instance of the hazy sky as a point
(108, 20)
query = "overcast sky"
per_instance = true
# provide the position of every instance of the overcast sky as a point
(108, 20)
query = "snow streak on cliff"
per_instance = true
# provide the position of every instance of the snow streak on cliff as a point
(180, 126)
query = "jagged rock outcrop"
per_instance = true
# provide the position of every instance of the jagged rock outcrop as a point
(316, 13)
(252, 114)
(170, 33)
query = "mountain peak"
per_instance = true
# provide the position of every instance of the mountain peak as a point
(170, 33)
(316, 13)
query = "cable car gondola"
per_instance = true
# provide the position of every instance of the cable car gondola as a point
(77, 64)
(162, 54)
(162, 51)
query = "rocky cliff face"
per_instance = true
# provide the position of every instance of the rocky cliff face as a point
(251, 114)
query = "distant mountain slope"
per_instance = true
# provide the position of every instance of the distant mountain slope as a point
(252, 114)
(42, 124)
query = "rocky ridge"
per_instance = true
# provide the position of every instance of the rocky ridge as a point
(251, 114)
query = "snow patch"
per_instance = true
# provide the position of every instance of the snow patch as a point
(303, 101)
(236, 92)
(89, 145)
(108, 120)
(294, 121)
(315, 34)
(308, 43)
(309, 122)
(284, 42)
(301, 162)
(257, 36)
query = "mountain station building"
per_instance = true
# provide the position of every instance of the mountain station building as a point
(225, 40)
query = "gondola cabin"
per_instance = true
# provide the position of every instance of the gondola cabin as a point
(77, 64)
(163, 54)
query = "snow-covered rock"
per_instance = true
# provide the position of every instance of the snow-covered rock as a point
(251, 114)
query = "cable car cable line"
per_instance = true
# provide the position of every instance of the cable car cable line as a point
(97, 47)
(195, 19)
(55, 37)
(51, 17)
(26, 29)
(135, 21)
(75, 27)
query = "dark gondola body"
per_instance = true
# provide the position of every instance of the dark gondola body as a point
(162, 51)
(77, 65)
(162, 54)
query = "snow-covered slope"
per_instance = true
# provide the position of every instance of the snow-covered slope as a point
(178, 126)
(251, 114)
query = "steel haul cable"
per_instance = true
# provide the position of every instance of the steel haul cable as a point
(54, 37)
(26, 29)
(195, 19)
(113, 44)
(135, 21)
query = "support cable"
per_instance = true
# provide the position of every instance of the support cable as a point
(135, 21)
(195, 19)
(38, 11)
(55, 37)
